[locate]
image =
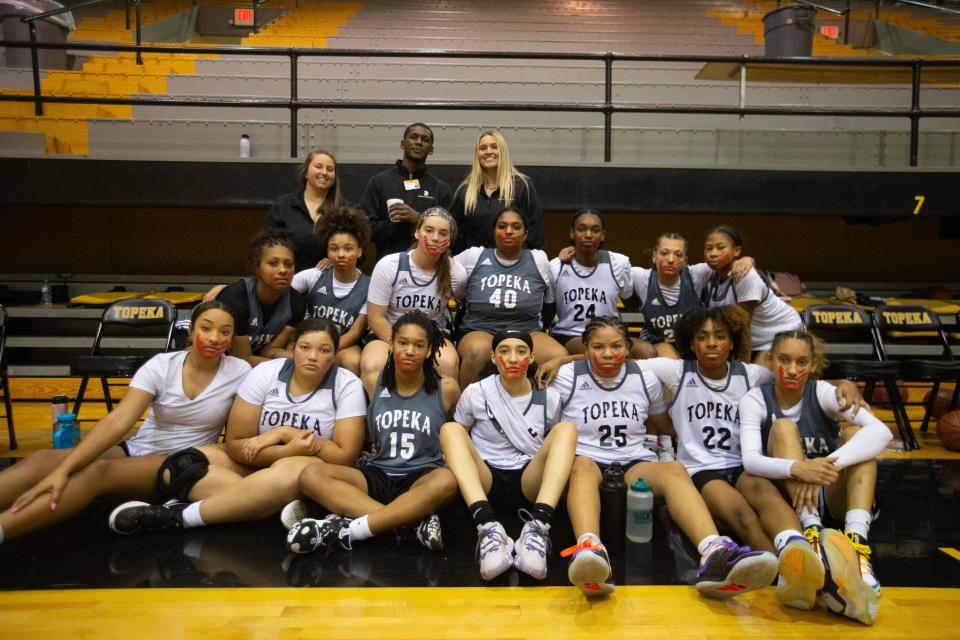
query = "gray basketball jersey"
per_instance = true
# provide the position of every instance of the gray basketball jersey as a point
(411, 295)
(611, 422)
(582, 297)
(406, 430)
(820, 434)
(340, 311)
(499, 296)
(660, 318)
(260, 332)
(707, 419)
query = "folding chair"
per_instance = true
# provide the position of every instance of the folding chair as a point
(848, 330)
(132, 314)
(4, 379)
(919, 325)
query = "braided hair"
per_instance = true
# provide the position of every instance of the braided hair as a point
(435, 340)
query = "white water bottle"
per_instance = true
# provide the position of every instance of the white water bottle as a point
(639, 512)
(244, 146)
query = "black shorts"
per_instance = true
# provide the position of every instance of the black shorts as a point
(384, 487)
(563, 338)
(506, 490)
(126, 449)
(623, 465)
(730, 476)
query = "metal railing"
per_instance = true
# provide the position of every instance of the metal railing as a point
(607, 107)
(846, 10)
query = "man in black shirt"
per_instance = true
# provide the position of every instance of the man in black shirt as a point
(412, 185)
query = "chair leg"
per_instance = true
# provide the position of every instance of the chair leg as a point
(956, 395)
(900, 415)
(8, 408)
(79, 400)
(868, 390)
(928, 407)
(106, 394)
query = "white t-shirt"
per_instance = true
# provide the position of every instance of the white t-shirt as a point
(174, 421)
(305, 280)
(399, 295)
(468, 259)
(699, 273)
(493, 446)
(318, 410)
(865, 445)
(770, 317)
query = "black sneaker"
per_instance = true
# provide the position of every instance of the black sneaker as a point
(429, 533)
(139, 517)
(323, 535)
(728, 569)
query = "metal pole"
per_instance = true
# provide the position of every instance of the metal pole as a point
(743, 86)
(35, 59)
(846, 24)
(915, 116)
(293, 104)
(876, 9)
(139, 55)
(255, 16)
(608, 107)
(126, 14)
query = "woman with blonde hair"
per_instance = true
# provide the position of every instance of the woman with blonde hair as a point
(493, 185)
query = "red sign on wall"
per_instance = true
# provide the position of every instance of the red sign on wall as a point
(243, 17)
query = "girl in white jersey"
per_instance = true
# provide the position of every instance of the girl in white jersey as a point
(405, 481)
(188, 393)
(507, 286)
(337, 289)
(612, 399)
(423, 279)
(790, 432)
(768, 313)
(505, 450)
(587, 282)
(288, 414)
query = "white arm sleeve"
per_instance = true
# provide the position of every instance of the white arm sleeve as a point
(381, 282)
(867, 443)
(622, 273)
(752, 412)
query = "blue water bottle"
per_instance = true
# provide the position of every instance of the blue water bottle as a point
(640, 512)
(67, 433)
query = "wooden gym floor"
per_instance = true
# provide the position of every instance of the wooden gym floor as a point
(79, 580)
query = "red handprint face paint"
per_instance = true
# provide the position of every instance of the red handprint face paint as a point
(514, 370)
(210, 349)
(794, 359)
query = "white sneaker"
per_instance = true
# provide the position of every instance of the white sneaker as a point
(494, 550)
(590, 567)
(532, 547)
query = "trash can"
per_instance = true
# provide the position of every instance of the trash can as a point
(788, 31)
(52, 30)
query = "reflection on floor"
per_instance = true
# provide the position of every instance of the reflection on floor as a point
(919, 500)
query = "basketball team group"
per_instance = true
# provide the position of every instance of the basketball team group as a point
(471, 366)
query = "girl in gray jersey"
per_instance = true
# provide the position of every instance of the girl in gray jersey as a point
(507, 452)
(405, 481)
(507, 287)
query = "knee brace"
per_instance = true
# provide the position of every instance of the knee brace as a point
(179, 472)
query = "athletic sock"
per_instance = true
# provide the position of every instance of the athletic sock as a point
(809, 518)
(360, 529)
(781, 539)
(190, 517)
(704, 544)
(542, 512)
(482, 512)
(858, 521)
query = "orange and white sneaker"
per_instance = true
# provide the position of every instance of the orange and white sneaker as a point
(863, 556)
(844, 590)
(801, 574)
(590, 566)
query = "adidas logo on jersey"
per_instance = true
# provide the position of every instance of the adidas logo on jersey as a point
(323, 290)
(691, 383)
(273, 393)
(654, 303)
(385, 393)
(585, 386)
(253, 322)
(403, 280)
(486, 262)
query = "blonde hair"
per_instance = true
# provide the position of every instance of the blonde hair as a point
(506, 173)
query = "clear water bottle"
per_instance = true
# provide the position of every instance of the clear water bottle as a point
(67, 433)
(613, 508)
(57, 406)
(46, 294)
(640, 512)
(244, 146)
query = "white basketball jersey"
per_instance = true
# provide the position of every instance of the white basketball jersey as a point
(611, 422)
(707, 419)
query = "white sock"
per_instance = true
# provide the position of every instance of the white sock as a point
(780, 541)
(704, 544)
(808, 518)
(857, 521)
(589, 534)
(360, 529)
(191, 516)
(666, 442)
(1, 534)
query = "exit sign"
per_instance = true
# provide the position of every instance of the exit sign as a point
(829, 30)
(243, 17)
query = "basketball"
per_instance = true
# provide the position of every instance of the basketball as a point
(942, 404)
(880, 394)
(948, 428)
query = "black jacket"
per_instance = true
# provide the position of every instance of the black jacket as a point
(429, 191)
(289, 212)
(476, 229)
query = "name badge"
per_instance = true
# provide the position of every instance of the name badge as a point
(412, 184)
